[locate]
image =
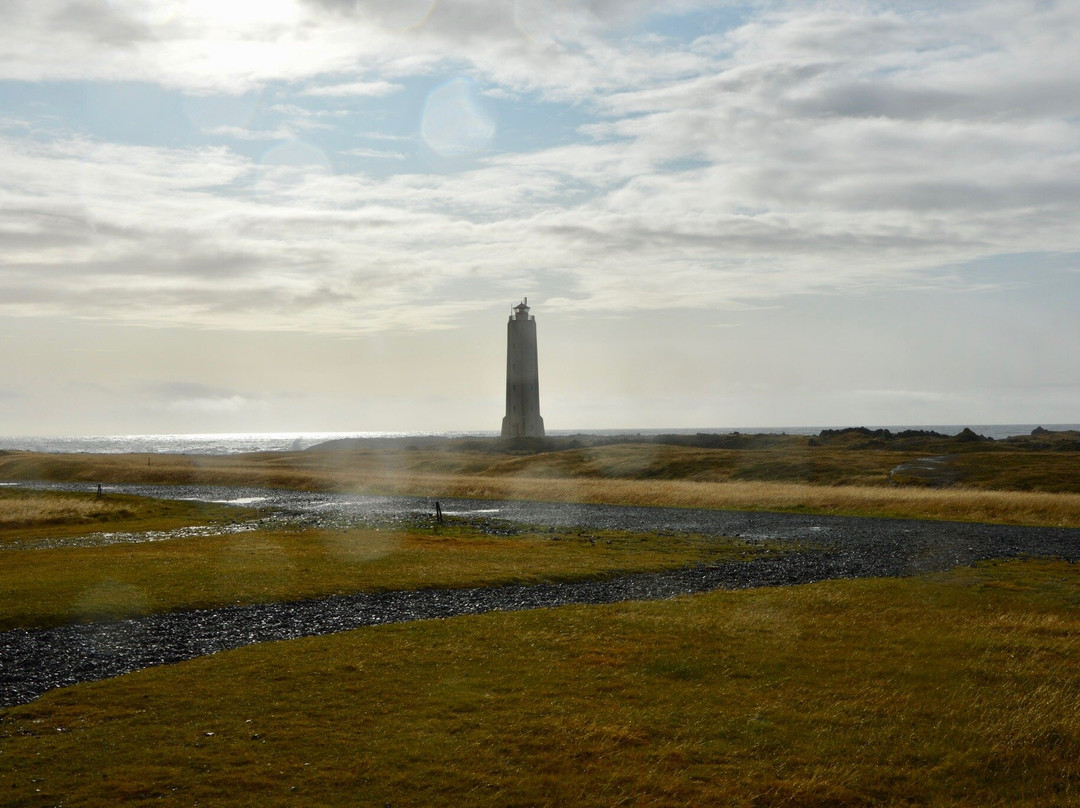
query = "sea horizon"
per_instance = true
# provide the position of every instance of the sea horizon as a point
(242, 442)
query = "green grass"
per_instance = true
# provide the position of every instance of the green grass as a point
(958, 689)
(55, 586)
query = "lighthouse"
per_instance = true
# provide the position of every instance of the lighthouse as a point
(522, 418)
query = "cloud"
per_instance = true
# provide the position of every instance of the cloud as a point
(353, 89)
(168, 391)
(104, 24)
(811, 149)
(222, 47)
(379, 154)
(197, 398)
(243, 133)
(222, 404)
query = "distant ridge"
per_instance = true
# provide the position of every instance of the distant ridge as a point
(247, 442)
(848, 437)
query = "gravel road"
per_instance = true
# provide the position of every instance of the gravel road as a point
(35, 661)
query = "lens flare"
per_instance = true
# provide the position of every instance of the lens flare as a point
(455, 123)
(401, 15)
(287, 165)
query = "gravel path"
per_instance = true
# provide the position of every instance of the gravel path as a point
(33, 662)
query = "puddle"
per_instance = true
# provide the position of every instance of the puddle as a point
(337, 511)
(106, 539)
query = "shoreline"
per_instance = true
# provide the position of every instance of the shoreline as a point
(246, 442)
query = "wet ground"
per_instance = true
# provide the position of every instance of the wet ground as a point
(32, 662)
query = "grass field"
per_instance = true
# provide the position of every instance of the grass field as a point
(1001, 507)
(55, 514)
(81, 584)
(998, 483)
(20, 510)
(957, 689)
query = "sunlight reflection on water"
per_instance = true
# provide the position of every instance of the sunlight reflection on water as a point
(140, 537)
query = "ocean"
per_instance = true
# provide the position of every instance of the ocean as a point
(240, 442)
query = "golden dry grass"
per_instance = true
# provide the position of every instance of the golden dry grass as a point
(1005, 507)
(1012, 487)
(34, 510)
(64, 514)
(953, 690)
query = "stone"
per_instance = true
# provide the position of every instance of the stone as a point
(522, 419)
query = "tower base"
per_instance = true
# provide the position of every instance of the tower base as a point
(523, 428)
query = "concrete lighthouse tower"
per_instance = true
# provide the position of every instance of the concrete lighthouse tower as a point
(522, 418)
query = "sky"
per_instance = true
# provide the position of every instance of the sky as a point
(315, 215)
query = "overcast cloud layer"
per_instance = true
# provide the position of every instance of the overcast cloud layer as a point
(320, 166)
(809, 147)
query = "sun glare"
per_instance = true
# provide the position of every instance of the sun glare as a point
(209, 16)
(241, 14)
